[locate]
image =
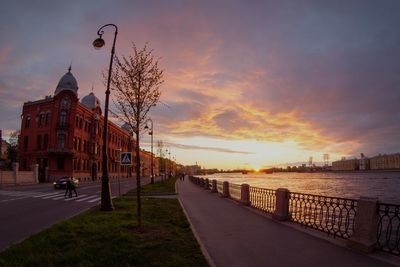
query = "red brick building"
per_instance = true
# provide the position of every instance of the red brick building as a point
(64, 135)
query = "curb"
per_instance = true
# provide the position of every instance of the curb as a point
(196, 235)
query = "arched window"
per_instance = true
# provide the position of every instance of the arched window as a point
(42, 119)
(27, 121)
(61, 140)
(48, 114)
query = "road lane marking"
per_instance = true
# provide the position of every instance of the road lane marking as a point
(86, 198)
(74, 198)
(47, 194)
(94, 200)
(46, 197)
(60, 197)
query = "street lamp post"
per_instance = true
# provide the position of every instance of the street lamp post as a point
(119, 170)
(106, 202)
(151, 134)
(166, 165)
(169, 176)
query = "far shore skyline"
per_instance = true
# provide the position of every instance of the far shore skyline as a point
(247, 85)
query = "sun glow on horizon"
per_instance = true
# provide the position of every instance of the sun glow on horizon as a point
(240, 154)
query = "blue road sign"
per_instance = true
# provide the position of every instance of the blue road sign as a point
(126, 158)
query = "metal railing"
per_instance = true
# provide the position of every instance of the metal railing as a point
(388, 234)
(331, 215)
(263, 199)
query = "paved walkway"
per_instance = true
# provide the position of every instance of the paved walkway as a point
(235, 236)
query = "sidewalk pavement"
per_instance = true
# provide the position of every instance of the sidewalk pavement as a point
(233, 236)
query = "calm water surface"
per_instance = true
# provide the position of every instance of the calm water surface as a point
(383, 185)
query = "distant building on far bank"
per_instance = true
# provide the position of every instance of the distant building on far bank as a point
(346, 165)
(385, 162)
(379, 162)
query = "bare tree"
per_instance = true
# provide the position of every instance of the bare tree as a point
(136, 82)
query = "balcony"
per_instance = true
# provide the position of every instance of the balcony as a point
(63, 125)
(60, 151)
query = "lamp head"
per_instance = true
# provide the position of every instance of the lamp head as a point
(98, 43)
(146, 127)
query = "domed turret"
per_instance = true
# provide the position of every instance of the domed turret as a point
(67, 82)
(91, 101)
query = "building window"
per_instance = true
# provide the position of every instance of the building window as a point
(63, 118)
(42, 119)
(27, 121)
(60, 163)
(45, 141)
(47, 118)
(26, 141)
(39, 142)
(61, 140)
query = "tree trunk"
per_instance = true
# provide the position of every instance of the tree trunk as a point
(139, 206)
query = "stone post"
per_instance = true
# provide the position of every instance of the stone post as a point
(207, 184)
(245, 194)
(366, 225)
(214, 186)
(15, 167)
(281, 205)
(225, 189)
(35, 173)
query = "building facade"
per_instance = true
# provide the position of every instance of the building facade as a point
(64, 136)
(346, 165)
(385, 162)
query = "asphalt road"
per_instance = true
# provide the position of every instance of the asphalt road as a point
(25, 210)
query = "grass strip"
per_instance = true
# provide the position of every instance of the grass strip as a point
(97, 238)
(167, 186)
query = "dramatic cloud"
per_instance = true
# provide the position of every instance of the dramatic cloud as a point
(321, 75)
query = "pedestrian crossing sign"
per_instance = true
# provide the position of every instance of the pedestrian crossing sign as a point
(126, 158)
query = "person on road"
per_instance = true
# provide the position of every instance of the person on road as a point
(67, 188)
(71, 186)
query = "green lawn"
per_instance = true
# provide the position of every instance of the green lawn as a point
(97, 238)
(167, 186)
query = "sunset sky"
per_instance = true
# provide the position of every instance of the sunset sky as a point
(248, 84)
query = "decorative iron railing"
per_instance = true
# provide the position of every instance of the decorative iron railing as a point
(263, 199)
(388, 234)
(235, 191)
(327, 214)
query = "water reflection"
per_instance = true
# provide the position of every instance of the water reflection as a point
(383, 185)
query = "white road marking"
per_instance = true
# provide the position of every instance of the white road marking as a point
(94, 200)
(74, 198)
(60, 197)
(47, 194)
(59, 194)
(86, 198)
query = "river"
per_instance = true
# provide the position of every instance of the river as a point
(383, 185)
